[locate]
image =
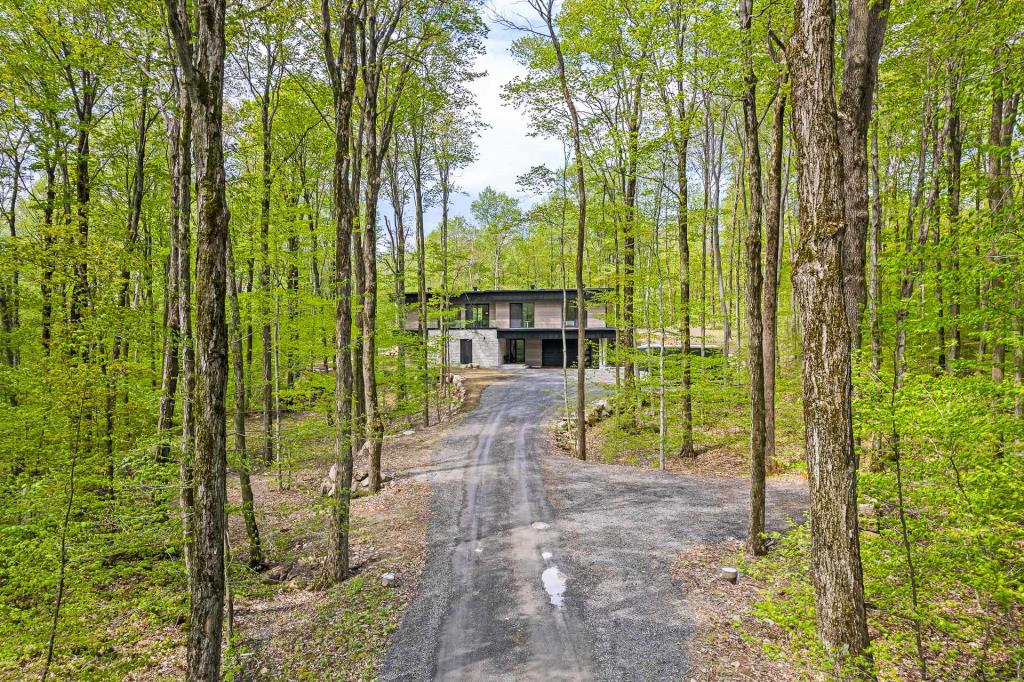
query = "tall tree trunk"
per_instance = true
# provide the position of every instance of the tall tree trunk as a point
(399, 247)
(875, 300)
(756, 529)
(136, 194)
(252, 531)
(629, 226)
(183, 209)
(865, 31)
(46, 282)
(1000, 192)
(374, 423)
(953, 165)
(9, 290)
(546, 10)
(202, 69)
(681, 141)
(85, 101)
(341, 68)
(772, 260)
(172, 288)
(421, 271)
(265, 269)
(837, 574)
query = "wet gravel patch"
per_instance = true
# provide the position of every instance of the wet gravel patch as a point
(621, 529)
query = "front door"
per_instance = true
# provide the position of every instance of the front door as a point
(516, 353)
(466, 351)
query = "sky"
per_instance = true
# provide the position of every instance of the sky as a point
(505, 148)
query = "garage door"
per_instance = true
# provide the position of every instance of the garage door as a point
(551, 352)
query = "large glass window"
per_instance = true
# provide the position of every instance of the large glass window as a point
(516, 351)
(570, 312)
(520, 315)
(478, 315)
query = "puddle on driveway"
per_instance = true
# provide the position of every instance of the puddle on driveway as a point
(554, 584)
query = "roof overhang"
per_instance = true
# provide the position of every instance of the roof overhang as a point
(510, 295)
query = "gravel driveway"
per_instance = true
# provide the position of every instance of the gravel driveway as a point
(545, 568)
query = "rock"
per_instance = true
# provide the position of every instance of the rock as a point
(388, 580)
(408, 432)
(329, 484)
(730, 574)
(866, 509)
(361, 476)
(600, 410)
(278, 573)
(365, 483)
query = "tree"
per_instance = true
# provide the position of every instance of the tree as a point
(817, 278)
(498, 214)
(755, 532)
(340, 58)
(545, 10)
(865, 30)
(201, 65)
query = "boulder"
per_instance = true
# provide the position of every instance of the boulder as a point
(598, 411)
(330, 483)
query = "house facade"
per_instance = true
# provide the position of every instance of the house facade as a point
(499, 327)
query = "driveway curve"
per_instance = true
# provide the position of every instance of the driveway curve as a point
(541, 567)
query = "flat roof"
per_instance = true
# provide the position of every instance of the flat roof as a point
(506, 294)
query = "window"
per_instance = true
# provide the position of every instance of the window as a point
(477, 316)
(516, 351)
(520, 315)
(466, 351)
(570, 312)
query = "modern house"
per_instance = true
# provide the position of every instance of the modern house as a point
(518, 327)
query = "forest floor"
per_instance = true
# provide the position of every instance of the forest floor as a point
(286, 628)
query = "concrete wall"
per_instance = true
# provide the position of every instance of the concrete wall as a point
(486, 348)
